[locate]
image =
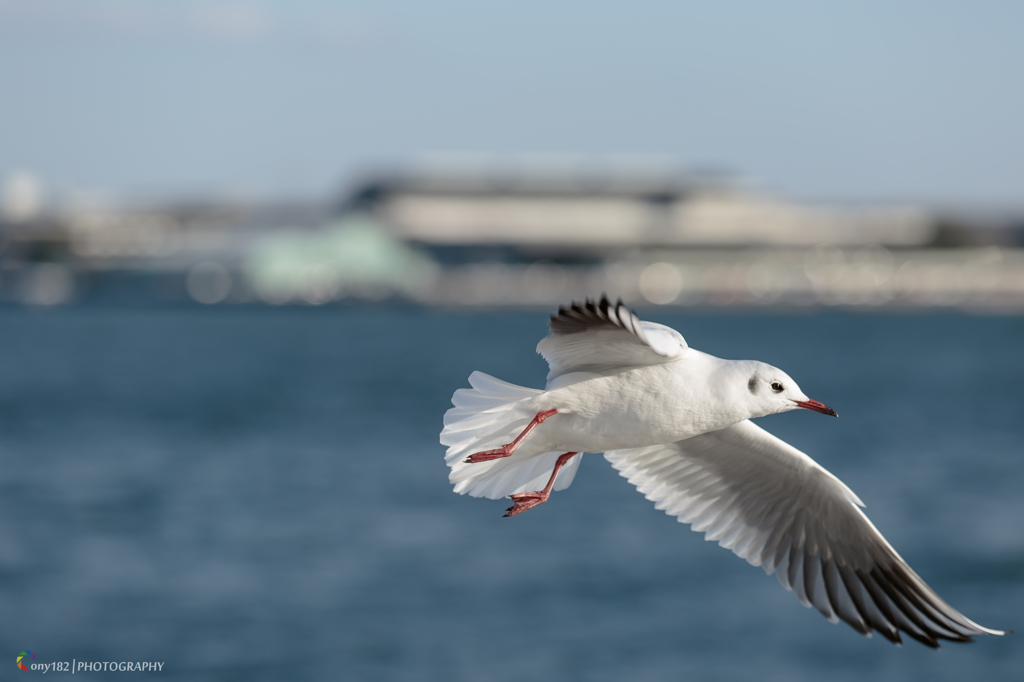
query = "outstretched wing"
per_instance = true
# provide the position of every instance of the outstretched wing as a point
(600, 336)
(779, 509)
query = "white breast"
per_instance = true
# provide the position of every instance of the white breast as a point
(633, 408)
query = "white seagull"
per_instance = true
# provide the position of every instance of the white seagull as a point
(676, 423)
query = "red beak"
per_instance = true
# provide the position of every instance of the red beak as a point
(816, 406)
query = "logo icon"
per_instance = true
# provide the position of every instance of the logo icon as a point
(24, 654)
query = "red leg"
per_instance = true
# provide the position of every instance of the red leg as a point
(524, 501)
(507, 450)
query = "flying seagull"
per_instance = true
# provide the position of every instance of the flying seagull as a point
(676, 423)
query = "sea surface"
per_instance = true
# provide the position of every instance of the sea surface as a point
(259, 494)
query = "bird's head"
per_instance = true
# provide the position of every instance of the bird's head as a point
(769, 390)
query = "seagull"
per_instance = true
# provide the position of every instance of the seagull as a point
(675, 422)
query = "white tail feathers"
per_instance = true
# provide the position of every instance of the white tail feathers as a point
(488, 416)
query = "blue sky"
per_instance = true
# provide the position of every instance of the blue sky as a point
(849, 101)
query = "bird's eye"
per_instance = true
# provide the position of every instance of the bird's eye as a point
(777, 387)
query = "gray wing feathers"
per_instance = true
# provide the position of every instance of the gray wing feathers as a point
(600, 336)
(775, 507)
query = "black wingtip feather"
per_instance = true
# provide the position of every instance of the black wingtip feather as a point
(579, 317)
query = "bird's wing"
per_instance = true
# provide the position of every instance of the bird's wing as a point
(779, 509)
(597, 336)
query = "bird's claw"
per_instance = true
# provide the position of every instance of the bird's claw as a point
(525, 501)
(488, 455)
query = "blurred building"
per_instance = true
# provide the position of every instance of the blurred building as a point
(602, 217)
(501, 238)
(508, 239)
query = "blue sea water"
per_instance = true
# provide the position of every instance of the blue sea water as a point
(259, 494)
